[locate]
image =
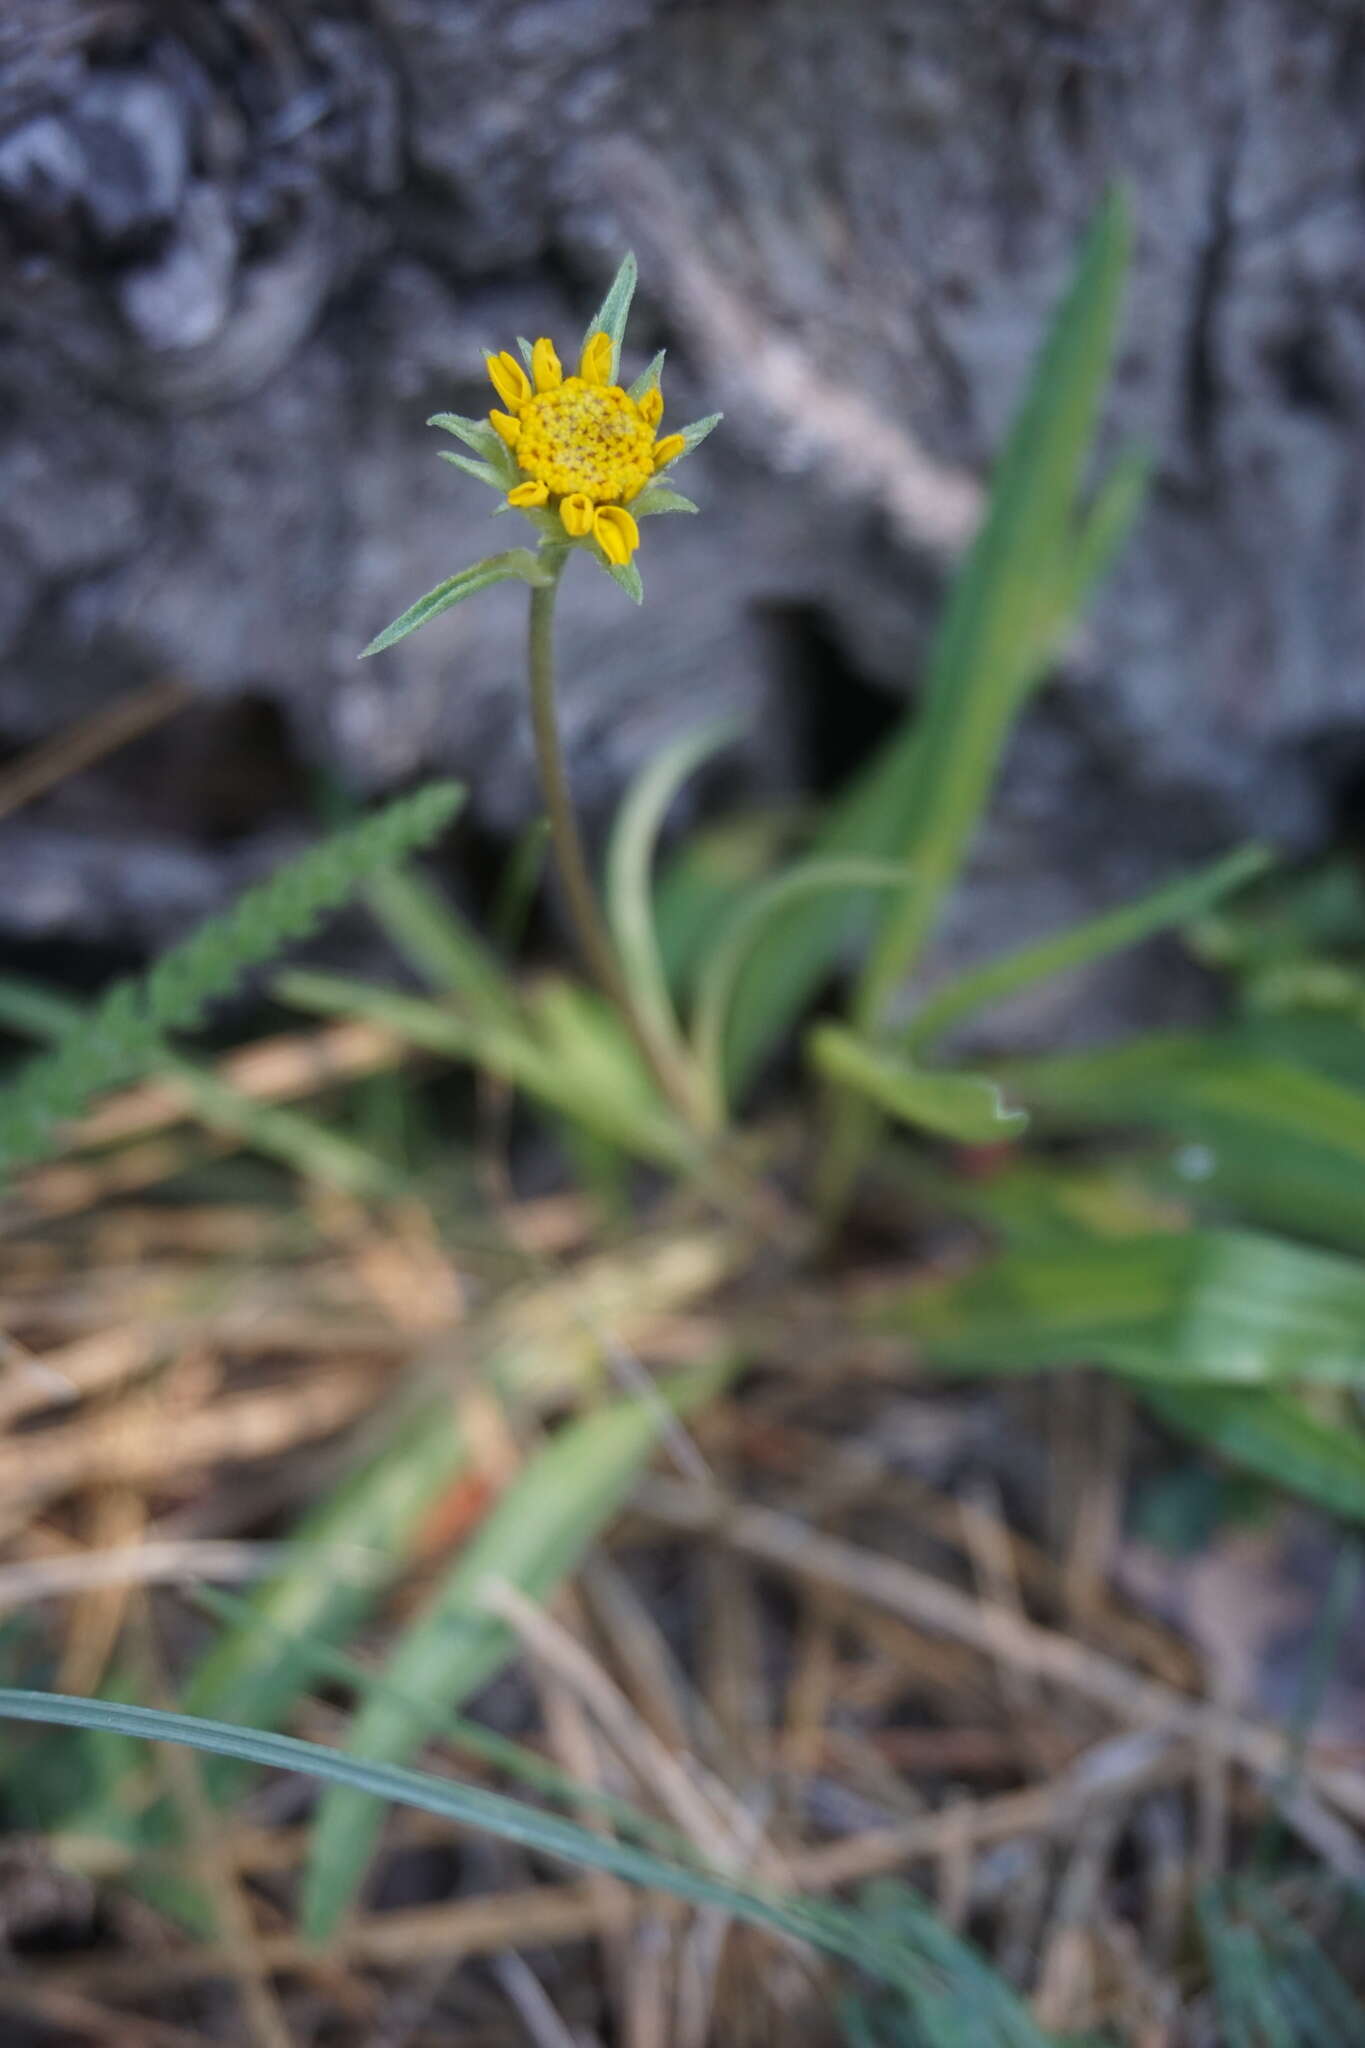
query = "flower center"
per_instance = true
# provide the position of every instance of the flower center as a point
(589, 438)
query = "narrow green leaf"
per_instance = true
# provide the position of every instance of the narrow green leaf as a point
(516, 562)
(1176, 903)
(342, 1555)
(535, 1537)
(656, 499)
(1197, 1307)
(719, 975)
(1000, 627)
(525, 349)
(922, 796)
(566, 1052)
(629, 872)
(649, 377)
(695, 434)
(611, 316)
(1273, 1435)
(1272, 1140)
(840, 1932)
(479, 435)
(482, 472)
(432, 936)
(965, 1107)
(628, 576)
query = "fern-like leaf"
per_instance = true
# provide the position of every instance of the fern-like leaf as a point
(126, 1029)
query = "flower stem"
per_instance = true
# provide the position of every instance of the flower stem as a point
(590, 926)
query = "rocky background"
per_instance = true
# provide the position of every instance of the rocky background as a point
(249, 245)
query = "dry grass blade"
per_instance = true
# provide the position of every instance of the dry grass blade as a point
(781, 1541)
(87, 741)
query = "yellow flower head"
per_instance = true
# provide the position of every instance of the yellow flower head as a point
(583, 444)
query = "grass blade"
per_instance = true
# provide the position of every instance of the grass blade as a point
(1274, 1436)
(1174, 904)
(1261, 1134)
(630, 862)
(1193, 1307)
(839, 1932)
(535, 1536)
(968, 1108)
(1012, 600)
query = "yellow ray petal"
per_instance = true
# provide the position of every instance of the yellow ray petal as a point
(509, 380)
(652, 406)
(528, 494)
(545, 366)
(664, 451)
(615, 532)
(594, 365)
(575, 514)
(507, 426)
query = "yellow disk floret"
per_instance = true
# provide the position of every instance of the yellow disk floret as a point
(584, 444)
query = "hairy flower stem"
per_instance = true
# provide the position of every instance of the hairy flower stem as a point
(589, 924)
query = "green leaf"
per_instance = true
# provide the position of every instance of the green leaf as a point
(568, 1051)
(965, 1107)
(479, 435)
(720, 972)
(921, 799)
(482, 472)
(1176, 903)
(648, 378)
(656, 499)
(907, 1963)
(308, 1147)
(534, 1538)
(526, 350)
(127, 1028)
(1275, 1436)
(432, 936)
(629, 873)
(695, 434)
(628, 576)
(1193, 1307)
(516, 562)
(1262, 1136)
(342, 1555)
(611, 316)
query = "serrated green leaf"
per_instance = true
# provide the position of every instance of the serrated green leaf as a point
(516, 563)
(968, 1108)
(611, 316)
(655, 498)
(648, 378)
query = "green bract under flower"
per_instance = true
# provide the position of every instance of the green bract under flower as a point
(580, 456)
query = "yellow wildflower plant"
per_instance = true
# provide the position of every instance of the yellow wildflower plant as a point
(581, 456)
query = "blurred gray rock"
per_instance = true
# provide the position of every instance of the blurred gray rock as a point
(246, 251)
